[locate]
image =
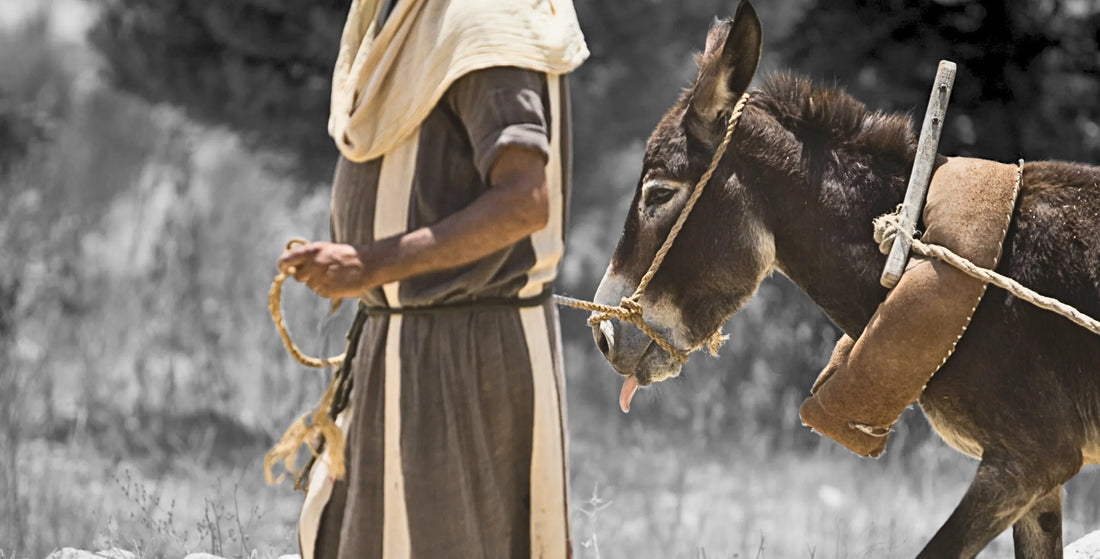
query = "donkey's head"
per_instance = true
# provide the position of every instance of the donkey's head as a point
(723, 252)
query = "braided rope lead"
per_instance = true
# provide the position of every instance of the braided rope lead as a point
(321, 427)
(274, 306)
(889, 226)
(630, 308)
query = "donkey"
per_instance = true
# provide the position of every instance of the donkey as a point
(808, 169)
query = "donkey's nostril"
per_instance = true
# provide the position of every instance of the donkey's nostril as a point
(601, 342)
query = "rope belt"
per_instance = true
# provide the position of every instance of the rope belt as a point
(889, 226)
(495, 304)
(321, 434)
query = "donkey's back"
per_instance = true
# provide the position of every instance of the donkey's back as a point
(1023, 377)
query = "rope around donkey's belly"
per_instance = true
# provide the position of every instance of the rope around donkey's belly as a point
(888, 227)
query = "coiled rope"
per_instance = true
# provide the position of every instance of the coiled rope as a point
(274, 306)
(889, 226)
(321, 427)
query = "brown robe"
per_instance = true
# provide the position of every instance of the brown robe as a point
(456, 432)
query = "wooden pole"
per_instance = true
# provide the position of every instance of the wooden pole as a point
(923, 163)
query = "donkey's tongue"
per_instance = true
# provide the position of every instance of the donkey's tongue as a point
(630, 385)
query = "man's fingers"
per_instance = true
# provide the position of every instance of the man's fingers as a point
(304, 272)
(290, 259)
(297, 257)
(316, 266)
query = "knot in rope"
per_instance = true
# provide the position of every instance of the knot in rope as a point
(632, 306)
(888, 227)
(715, 342)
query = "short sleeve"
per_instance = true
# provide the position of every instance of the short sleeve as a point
(501, 107)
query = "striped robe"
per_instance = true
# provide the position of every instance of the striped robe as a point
(456, 429)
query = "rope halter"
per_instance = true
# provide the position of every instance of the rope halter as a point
(630, 308)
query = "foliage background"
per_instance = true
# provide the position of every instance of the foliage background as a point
(155, 155)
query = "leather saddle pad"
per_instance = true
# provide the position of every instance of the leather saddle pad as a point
(869, 381)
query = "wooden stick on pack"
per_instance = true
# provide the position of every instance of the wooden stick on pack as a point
(923, 164)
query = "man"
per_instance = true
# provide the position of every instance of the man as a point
(448, 218)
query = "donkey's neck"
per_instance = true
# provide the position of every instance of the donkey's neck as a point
(820, 203)
(834, 260)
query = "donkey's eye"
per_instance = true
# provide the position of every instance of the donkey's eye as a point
(658, 195)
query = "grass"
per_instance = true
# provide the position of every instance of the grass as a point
(635, 493)
(75, 497)
(658, 503)
(660, 499)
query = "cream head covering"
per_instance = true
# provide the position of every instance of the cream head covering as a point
(389, 77)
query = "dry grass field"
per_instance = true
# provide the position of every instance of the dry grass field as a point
(634, 495)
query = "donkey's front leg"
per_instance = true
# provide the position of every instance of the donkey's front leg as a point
(1004, 488)
(1038, 533)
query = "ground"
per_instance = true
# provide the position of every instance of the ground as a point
(642, 496)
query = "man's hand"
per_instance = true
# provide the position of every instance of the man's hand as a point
(514, 207)
(333, 270)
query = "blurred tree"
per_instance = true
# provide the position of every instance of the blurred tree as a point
(19, 129)
(261, 67)
(1029, 73)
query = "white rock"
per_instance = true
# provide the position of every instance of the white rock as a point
(72, 553)
(201, 556)
(1088, 547)
(290, 557)
(116, 553)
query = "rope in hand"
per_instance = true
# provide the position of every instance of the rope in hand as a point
(630, 308)
(321, 426)
(889, 226)
(274, 299)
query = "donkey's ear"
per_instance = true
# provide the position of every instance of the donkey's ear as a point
(728, 64)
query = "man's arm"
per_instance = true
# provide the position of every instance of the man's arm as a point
(515, 206)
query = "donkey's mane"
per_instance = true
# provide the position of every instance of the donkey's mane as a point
(831, 117)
